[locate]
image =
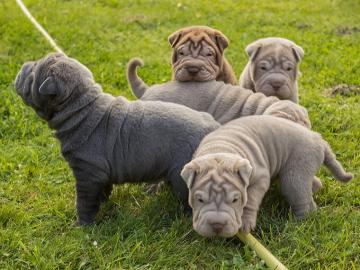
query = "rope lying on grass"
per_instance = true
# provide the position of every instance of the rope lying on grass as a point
(247, 239)
(270, 260)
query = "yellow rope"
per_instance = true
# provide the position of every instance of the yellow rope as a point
(271, 261)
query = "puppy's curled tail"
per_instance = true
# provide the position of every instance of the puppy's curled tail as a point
(137, 85)
(334, 165)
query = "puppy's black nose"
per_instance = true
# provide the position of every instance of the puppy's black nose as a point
(193, 70)
(217, 227)
(275, 87)
(276, 84)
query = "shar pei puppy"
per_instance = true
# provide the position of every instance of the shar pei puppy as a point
(225, 102)
(198, 55)
(233, 166)
(108, 140)
(273, 68)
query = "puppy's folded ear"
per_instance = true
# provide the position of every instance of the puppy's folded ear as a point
(174, 38)
(221, 41)
(48, 87)
(188, 174)
(298, 52)
(253, 49)
(244, 169)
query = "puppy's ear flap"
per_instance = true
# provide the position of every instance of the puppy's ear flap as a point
(221, 41)
(244, 169)
(188, 174)
(48, 87)
(298, 52)
(174, 38)
(253, 49)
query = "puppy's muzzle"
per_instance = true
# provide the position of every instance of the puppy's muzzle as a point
(21, 76)
(276, 84)
(192, 70)
(218, 227)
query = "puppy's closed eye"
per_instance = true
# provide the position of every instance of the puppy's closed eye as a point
(199, 197)
(181, 53)
(234, 197)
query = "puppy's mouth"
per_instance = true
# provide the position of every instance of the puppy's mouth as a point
(282, 92)
(211, 224)
(275, 85)
(196, 74)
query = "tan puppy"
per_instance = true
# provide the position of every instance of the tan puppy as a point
(232, 168)
(273, 68)
(198, 55)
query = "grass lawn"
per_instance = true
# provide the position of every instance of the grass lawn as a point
(135, 230)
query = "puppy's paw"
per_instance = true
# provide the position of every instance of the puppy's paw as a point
(248, 225)
(80, 222)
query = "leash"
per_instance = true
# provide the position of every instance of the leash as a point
(247, 239)
(39, 27)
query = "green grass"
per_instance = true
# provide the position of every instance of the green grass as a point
(135, 230)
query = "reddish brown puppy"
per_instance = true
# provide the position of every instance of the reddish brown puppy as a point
(198, 56)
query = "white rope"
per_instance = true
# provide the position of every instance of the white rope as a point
(39, 27)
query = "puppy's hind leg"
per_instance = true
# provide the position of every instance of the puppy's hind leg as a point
(316, 184)
(297, 186)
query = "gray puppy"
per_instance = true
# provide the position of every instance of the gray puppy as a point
(224, 102)
(232, 168)
(273, 68)
(108, 140)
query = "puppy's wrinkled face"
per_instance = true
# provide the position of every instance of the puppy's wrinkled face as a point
(49, 82)
(217, 185)
(274, 68)
(195, 62)
(197, 53)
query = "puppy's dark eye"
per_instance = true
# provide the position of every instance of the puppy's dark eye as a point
(263, 68)
(181, 53)
(209, 54)
(289, 68)
(235, 200)
(200, 200)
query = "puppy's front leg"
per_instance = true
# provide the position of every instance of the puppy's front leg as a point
(180, 189)
(255, 194)
(89, 195)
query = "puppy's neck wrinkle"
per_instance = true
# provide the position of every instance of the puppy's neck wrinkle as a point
(115, 128)
(75, 124)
